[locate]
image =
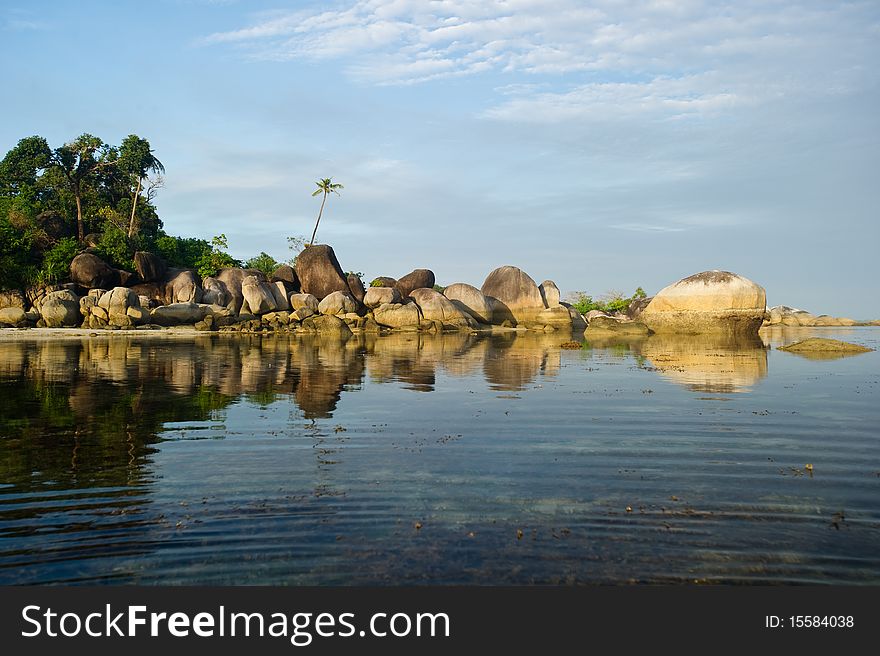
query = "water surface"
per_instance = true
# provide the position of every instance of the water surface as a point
(456, 459)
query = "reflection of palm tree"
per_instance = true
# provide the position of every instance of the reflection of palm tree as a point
(325, 186)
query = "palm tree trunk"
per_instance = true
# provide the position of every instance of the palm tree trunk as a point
(80, 229)
(321, 211)
(132, 227)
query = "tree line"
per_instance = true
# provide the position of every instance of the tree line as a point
(89, 194)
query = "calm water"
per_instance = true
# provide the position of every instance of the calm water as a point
(437, 459)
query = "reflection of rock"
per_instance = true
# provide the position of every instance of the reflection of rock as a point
(706, 363)
(709, 302)
(515, 360)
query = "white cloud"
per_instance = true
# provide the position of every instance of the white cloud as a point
(616, 58)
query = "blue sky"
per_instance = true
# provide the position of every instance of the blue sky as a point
(603, 145)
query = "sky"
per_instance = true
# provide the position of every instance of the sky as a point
(604, 145)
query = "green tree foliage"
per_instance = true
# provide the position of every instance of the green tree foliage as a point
(217, 258)
(263, 262)
(56, 263)
(82, 187)
(610, 302)
(182, 252)
(136, 160)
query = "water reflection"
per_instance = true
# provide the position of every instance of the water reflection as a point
(90, 494)
(704, 363)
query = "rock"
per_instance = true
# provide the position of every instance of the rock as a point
(327, 324)
(138, 315)
(150, 268)
(338, 303)
(514, 296)
(89, 270)
(376, 296)
(60, 309)
(12, 298)
(13, 315)
(178, 313)
(550, 293)
(799, 318)
(258, 298)
(603, 325)
(396, 315)
(592, 314)
(319, 272)
(637, 306)
(154, 291)
(232, 277)
(577, 320)
(298, 301)
(182, 286)
(417, 279)
(117, 302)
(471, 300)
(55, 225)
(303, 312)
(285, 273)
(822, 345)
(434, 306)
(215, 292)
(708, 302)
(356, 286)
(280, 293)
(383, 281)
(556, 317)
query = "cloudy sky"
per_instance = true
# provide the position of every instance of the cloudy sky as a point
(604, 145)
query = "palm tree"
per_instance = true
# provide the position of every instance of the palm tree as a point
(325, 186)
(136, 159)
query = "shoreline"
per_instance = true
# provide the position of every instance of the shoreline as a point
(181, 332)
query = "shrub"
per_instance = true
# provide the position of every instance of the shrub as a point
(113, 248)
(612, 301)
(56, 262)
(263, 262)
(181, 252)
(217, 258)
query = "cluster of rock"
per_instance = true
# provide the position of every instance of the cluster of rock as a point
(316, 296)
(710, 302)
(782, 315)
(313, 296)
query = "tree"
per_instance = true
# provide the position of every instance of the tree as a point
(21, 164)
(78, 161)
(325, 186)
(136, 159)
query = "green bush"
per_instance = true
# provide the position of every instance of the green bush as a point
(611, 302)
(181, 252)
(217, 258)
(114, 249)
(56, 261)
(263, 262)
